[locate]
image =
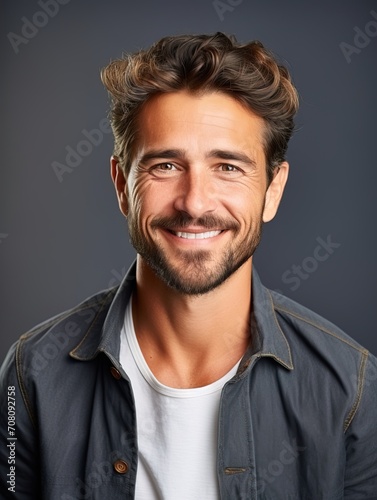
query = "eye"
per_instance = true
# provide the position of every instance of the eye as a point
(227, 167)
(164, 167)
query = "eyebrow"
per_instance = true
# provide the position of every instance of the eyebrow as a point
(232, 155)
(162, 153)
(214, 153)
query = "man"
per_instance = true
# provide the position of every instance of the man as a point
(192, 380)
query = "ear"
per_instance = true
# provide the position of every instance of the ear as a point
(275, 191)
(120, 183)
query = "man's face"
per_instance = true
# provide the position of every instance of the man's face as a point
(196, 192)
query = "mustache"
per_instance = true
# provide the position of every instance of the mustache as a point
(183, 220)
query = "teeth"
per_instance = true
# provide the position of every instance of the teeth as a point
(197, 236)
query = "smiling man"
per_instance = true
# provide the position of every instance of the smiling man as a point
(192, 380)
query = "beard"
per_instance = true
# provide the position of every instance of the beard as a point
(198, 271)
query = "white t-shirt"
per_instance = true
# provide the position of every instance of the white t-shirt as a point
(177, 429)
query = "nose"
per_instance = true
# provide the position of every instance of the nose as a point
(196, 195)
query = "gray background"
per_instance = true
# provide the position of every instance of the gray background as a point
(63, 241)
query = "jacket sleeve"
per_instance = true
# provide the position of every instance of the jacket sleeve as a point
(361, 439)
(19, 453)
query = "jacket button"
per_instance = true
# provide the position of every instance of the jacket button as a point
(120, 466)
(115, 373)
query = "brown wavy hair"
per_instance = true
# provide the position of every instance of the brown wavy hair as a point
(202, 63)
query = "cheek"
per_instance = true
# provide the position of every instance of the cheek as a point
(149, 199)
(135, 200)
(246, 205)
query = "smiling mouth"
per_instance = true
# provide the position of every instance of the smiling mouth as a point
(196, 236)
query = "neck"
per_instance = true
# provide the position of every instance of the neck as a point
(190, 341)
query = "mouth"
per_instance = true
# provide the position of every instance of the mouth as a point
(196, 236)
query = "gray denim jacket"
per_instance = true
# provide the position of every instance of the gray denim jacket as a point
(298, 421)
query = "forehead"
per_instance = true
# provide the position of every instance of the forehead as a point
(191, 120)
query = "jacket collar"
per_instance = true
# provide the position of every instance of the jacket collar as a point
(103, 334)
(269, 339)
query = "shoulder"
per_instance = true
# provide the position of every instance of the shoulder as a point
(327, 356)
(40, 360)
(319, 347)
(298, 319)
(58, 335)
